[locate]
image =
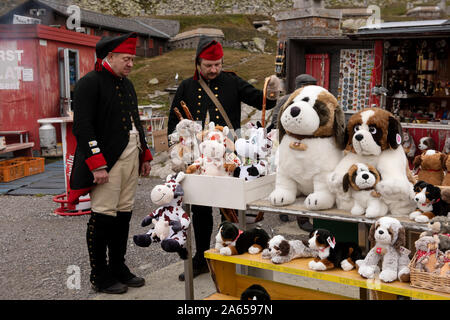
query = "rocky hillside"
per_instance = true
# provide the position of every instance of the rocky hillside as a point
(206, 7)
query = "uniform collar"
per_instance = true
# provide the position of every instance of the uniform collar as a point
(107, 66)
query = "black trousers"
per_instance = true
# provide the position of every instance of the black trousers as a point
(202, 223)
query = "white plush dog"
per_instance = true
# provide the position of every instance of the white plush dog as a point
(311, 134)
(387, 236)
(281, 250)
(374, 137)
(362, 179)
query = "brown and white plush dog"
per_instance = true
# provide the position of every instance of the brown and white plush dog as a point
(374, 137)
(431, 167)
(426, 143)
(281, 250)
(311, 134)
(387, 238)
(362, 179)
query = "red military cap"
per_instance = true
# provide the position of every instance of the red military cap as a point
(213, 51)
(208, 49)
(121, 44)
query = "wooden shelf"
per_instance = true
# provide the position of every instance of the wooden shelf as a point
(17, 146)
(300, 267)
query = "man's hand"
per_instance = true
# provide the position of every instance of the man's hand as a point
(100, 176)
(273, 87)
(145, 169)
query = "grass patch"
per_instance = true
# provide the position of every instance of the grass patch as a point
(246, 64)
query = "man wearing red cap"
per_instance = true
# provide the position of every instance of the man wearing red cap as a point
(111, 153)
(230, 90)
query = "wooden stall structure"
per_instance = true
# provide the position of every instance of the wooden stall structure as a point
(39, 66)
(416, 75)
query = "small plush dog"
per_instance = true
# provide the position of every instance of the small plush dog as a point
(332, 254)
(430, 202)
(281, 250)
(431, 168)
(387, 238)
(362, 178)
(231, 241)
(255, 292)
(426, 143)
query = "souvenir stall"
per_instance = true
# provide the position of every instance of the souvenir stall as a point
(415, 82)
(408, 255)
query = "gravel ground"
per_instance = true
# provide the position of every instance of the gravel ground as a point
(41, 250)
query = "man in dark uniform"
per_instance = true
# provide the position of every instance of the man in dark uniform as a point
(111, 153)
(230, 90)
(301, 81)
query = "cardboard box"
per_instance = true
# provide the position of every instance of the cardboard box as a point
(225, 192)
(160, 142)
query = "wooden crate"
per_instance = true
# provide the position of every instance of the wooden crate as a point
(32, 165)
(11, 170)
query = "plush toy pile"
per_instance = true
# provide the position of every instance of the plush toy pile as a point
(254, 152)
(214, 159)
(185, 148)
(433, 248)
(170, 220)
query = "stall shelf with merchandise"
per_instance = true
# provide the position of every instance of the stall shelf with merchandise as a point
(232, 284)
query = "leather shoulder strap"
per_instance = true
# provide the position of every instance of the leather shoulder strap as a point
(217, 103)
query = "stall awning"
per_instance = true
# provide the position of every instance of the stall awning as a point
(403, 29)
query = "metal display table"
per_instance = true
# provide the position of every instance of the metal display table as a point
(298, 209)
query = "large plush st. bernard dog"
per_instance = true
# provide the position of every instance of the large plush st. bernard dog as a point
(311, 134)
(374, 137)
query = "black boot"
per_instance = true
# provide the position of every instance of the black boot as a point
(97, 235)
(304, 224)
(118, 249)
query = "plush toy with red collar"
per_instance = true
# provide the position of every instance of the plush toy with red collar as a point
(387, 238)
(232, 241)
(430, 201)
(332, 254)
